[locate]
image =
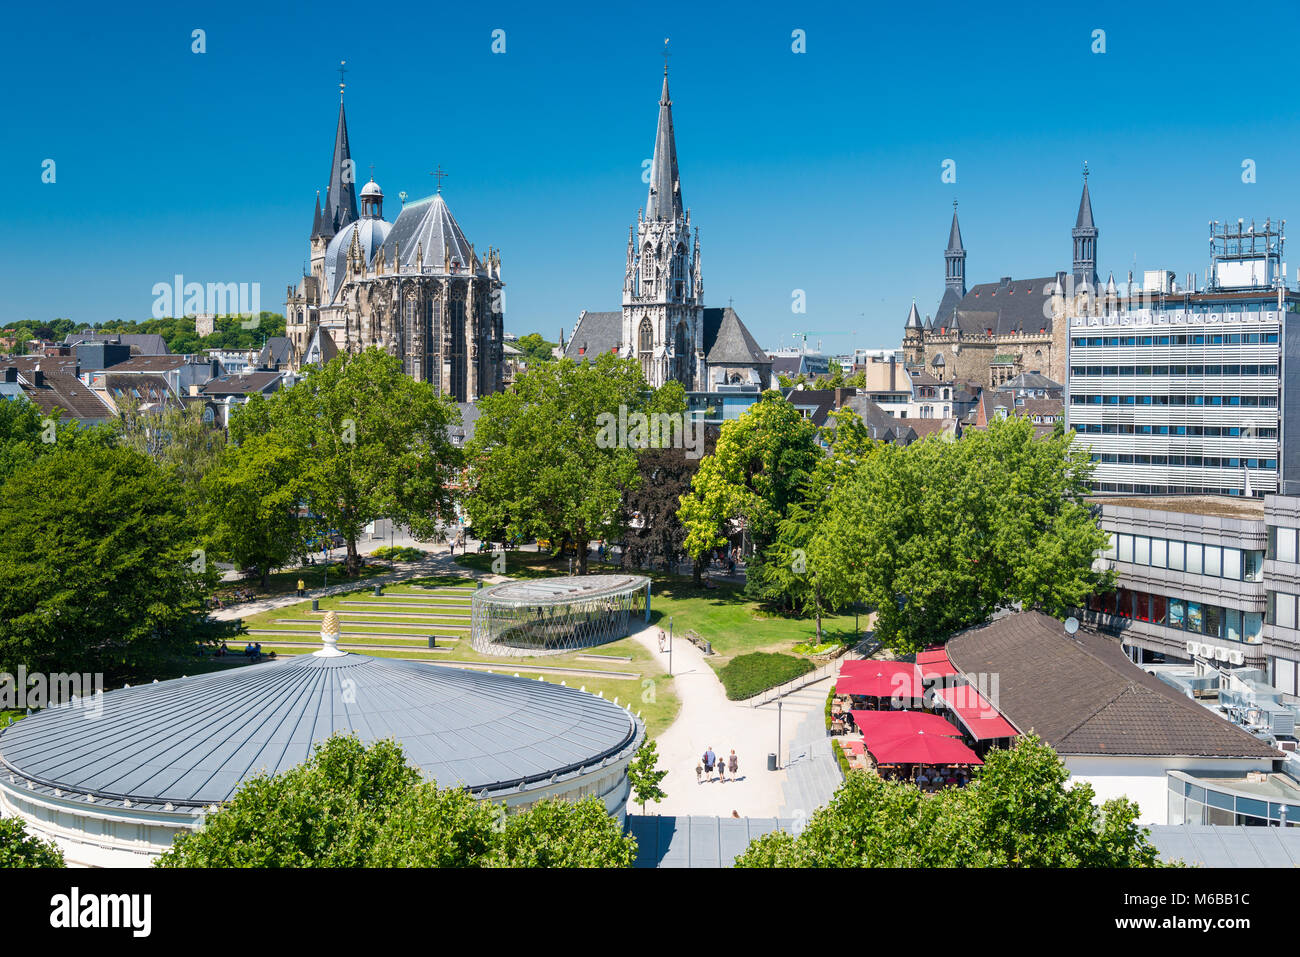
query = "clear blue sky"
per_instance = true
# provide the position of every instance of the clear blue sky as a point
(817, 171)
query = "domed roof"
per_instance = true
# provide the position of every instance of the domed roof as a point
(372, 233)
(192, 741)
(427, 228)
(371, 189)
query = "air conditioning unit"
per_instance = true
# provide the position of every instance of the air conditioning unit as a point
(1192, 647)
(1221, 654)
(1236, 657)
(1207, 651)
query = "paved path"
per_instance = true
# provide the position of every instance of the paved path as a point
(708, 719)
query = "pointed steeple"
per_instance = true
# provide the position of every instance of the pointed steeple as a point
(341, 203)
(315, 223)
(1084, 235)
(665, 200)
(954, 257)
(913, 319)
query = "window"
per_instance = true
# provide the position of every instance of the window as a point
(1232, 563)
(1177, 556)
(1284, 610)
(1213, 560)
(1159, 553)
(1177, 613)
(1254, 562)
(1232, 624)
(1194, 564)
(1286, 545)
(1254, 626)
(1126, 548)
(1142, 550)
(1195, 617)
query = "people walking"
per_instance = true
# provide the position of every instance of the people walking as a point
(302, 587)
(710, 759)
(663, 641)
(722, 770)
(699, 773)
(733, 764)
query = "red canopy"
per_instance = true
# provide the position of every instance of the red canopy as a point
(890, 680)
(889, 724)
(981, 719)
(870, 666)
(922, 748)
(934, 663)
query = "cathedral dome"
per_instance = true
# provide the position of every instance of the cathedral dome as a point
(370, 233)
(371, 189)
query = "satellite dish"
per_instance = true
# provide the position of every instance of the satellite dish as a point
(1071, 625)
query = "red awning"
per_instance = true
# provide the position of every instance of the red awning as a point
(980, 718)
(882, 680)
(934, 664)
(870, 666)
(922, 748)
(890, 724)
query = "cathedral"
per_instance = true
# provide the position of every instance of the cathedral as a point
(992, 332)
(414, 287)
(664, 323)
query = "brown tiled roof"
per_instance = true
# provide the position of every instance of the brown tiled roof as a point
(66, 364)
(924, 427)
(150, 364)
(241, 384)
(1082, 695)
(58, 390)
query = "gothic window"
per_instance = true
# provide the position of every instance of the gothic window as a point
(682, 353)
(645, 349)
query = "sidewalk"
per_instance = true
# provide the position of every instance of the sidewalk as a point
(708, 719)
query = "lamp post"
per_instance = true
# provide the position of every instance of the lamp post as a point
(779, 703)
(670, 646)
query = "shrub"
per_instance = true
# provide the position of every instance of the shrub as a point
(19, 849)
(399, 553)
(747, 675)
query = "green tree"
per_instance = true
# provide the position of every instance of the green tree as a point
(176, 438)
(544, 461)
(251, 505)
(536, 350)
(939, 535)
(371, 443)
(644, 775)
(350, 805)
(654, 528)
(760, 462)
(1017, 812)
(97, 564)
(20, 849)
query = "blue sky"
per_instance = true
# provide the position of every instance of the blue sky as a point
(817, 171)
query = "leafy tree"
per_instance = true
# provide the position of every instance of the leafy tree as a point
(1017, 812)
(536, 350)
(543, 462)
(251, 504)
(26, 434)
(760, 462)
(665, 476)
(938, 535)
(371, 443)
(351, 805)
(20, 849)
(176, 438)
(97, 564)
(644, 774)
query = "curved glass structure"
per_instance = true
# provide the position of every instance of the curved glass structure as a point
(550, 616)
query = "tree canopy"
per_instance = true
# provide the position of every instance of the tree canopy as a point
(352, 805)
(543, 462)
(20, 849)
(1018, 811)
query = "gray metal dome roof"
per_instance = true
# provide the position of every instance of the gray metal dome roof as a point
(371, 235)
(192, 741)
(371, 189)
(426, 228)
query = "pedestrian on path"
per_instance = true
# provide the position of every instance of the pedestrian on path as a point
(722, 771)
(302, 588)
(662, 639)
(733, 764)
(699, 773)
(709, 760)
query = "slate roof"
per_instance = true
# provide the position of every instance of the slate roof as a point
(341, 201)
(276, 352)
(150, 364)
(141, 344)
(817, 403)
(66, 364)
(193, 741)
(596, 332)
(1082, 695)
(1007, 306)
(241, 384)
(728, 342)
(427, 228)
(146, 388)
(786, 365)
(1033, 380)
(665, 198)
(59, 390)
(923, 427)
(880, 425)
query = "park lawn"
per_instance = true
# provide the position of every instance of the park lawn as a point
(286, 580)
(747, 675)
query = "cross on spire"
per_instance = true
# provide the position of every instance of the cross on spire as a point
(666, 55)
(440, 175)
(1085, 170)
(342, 69)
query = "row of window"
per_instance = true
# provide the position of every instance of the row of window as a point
(1142, 488)
(1192, 804)
(1282, 609)
(1247, 401)
(1282, 545)
(1190, 339)
(1193, 617)
(1207, 431)
(1195, 461)
(1086, 371)
(1213, 560)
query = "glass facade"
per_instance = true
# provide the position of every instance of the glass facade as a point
(1193, 617)
(1191, 803)
(1212, 560)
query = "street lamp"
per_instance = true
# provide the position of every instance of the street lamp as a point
(779, 702)
(670, 646)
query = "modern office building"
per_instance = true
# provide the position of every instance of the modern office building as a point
(1185, 391)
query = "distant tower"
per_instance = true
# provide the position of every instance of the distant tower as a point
(914, 337)
(663, 304)
(954, 257)
(1085, 241)
(341, 201)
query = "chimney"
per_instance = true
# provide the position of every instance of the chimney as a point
(38, 379)
(842, 395)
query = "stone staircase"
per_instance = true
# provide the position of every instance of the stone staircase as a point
(812, 774)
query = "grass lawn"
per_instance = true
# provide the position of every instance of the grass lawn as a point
(747, 675)
(286, 580)
(403, 636)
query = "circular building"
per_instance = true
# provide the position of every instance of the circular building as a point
(113, 778)
(550, 616)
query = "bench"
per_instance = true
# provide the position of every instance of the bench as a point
(694, 638)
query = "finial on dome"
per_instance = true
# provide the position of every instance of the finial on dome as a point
(329, 637)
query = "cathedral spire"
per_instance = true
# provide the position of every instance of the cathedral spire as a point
(341, 202)
(665, 200)
(315, 224)
(954, 257)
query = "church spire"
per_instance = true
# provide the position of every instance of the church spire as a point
(1084, 235)
(315, 224)
(665, 200)
(954, 257)
(341, 202)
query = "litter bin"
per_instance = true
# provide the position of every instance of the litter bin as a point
(315, 604)
(379, 590)
(771, 762)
